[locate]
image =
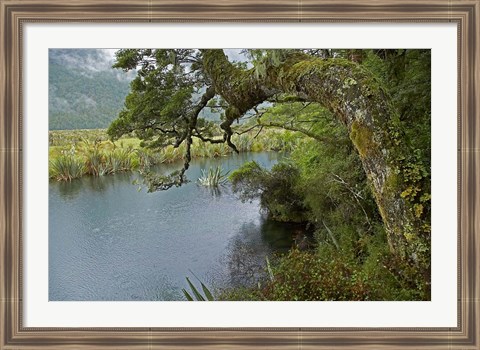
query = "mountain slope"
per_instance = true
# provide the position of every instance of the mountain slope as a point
(84, 91)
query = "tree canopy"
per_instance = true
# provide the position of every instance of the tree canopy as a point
(380, 97)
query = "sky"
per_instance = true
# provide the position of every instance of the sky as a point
(232, 54)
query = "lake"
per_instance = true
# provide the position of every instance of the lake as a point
(110, 241)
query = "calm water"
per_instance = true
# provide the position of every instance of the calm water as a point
(109, 241)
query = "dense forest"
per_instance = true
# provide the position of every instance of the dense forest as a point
(359, 181)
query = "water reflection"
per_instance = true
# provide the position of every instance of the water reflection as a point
(69, 190)
(244, 263)
(214, 191)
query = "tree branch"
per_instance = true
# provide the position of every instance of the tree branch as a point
(356, 195)
(293, 128)
(207, 139)
(159, 182)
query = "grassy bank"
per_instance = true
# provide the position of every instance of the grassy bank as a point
(76, 153)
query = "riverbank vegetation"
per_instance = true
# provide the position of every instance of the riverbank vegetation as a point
(324, 186)
(77, 153)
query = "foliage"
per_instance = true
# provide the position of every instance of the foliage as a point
(407, 73)
(330, 187)
(96, 158)
(66, 167)
(214, 177)
(160, 96)
(313, 276)
(103, 157)
(325, 273)
(196, 294)
(337, 200)
(275, 189)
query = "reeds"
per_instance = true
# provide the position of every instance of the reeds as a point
(119, 160)
(171, 154)
(243, 142)
(96, 159)
(213, 177)
(74, 153)
(66, 167)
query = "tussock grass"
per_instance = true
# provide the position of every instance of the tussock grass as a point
(213, 177)
(66, 167)
(91, 153)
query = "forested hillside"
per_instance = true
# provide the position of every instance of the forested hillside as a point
(85, 92)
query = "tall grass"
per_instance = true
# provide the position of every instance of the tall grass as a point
(243, 142)
(171, 154)
(66, 167)
(101, 157)
(93, 160)
(119, 160)
(213, 177)
(147, 158)
(209, 150)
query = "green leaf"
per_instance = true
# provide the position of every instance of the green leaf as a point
(187, 295)
(207, 292)
(198, 296)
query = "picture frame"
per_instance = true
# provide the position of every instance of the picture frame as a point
(15, 14)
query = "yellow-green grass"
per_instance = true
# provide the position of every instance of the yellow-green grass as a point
(101, 156)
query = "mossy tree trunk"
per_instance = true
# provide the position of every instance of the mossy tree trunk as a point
(361, 104)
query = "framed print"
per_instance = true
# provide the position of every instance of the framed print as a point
(309, 169)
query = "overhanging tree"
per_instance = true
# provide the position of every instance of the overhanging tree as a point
(174, 86)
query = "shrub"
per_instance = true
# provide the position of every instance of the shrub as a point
(276, 189)
(66, 167)
(94, 161)
(311, 276)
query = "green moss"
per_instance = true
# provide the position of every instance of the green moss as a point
(418, 210)
(362, 137)
(392, 182)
